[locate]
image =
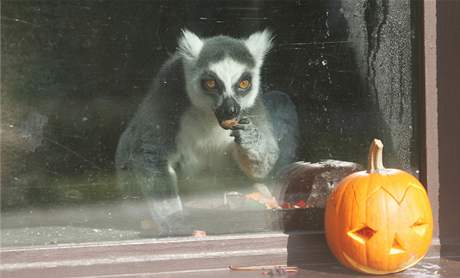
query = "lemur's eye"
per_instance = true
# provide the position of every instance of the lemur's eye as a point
(244, 84)
(209, 84)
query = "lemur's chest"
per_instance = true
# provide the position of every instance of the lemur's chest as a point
(202, 145)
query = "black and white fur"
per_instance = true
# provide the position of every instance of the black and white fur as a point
(174, 146)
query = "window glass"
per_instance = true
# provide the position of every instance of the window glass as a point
(130, 119)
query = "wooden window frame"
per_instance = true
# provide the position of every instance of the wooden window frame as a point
(188, 255)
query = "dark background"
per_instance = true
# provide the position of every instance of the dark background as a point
(73, 73)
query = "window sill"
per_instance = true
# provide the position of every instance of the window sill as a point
(170, 255)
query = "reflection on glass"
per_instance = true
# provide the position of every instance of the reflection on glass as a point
(123, 119)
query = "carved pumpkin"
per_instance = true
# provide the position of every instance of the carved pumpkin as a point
(378, 221)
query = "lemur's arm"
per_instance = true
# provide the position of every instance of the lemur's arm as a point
(256, 149)
(144, 169)
(145, 147)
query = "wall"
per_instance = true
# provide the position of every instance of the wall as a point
(448, 47)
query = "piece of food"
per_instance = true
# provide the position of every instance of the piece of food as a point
(198, 233)
(228, 124)
(269, 202)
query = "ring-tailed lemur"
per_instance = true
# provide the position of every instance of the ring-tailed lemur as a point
(177, 140)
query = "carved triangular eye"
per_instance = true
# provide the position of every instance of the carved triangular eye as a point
(361, 235)
(419, 227)
(396, 248)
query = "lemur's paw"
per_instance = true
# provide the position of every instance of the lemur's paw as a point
(177, 225)
(245, 133)
(174, 225)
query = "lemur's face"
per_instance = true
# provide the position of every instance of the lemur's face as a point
(223, 73)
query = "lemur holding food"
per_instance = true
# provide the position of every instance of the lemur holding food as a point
(206, 120)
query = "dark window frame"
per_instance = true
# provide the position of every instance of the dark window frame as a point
(217, 252)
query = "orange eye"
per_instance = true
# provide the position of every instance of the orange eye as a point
(210, 84)
(245, 84)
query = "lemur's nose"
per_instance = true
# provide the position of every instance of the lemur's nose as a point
(229, 109)
(233, 110)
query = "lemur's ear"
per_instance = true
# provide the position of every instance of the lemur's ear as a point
(259, 44)
(189, 45)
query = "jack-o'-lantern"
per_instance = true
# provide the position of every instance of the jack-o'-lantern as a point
(379, 221)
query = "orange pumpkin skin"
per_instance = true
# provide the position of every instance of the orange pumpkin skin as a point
(379, 222)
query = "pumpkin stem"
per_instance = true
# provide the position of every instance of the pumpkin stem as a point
(375, 158)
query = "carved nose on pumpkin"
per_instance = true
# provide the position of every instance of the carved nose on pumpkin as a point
(396, 248)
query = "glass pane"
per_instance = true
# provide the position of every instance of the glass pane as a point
(129, 119)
